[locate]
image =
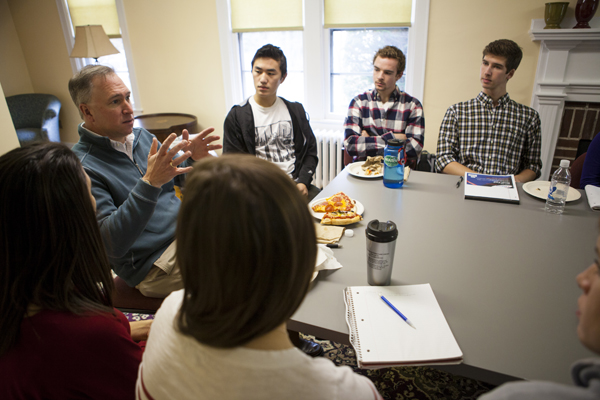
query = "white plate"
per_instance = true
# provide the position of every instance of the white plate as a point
(358, 208)
(355, 169)
(540, 189)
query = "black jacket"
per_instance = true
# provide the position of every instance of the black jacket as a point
(239, 137)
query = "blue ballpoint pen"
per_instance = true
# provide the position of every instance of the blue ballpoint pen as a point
(397, 311)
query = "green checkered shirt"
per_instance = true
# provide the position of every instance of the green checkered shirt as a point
(491, 140)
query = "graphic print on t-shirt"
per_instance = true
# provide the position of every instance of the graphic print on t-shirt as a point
(274, 134)
(275, 142)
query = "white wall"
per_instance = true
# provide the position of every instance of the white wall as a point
(177, 55)
(458, 32)
(14, 75)
(8, 135)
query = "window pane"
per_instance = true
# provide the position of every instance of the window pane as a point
(352, 52)
(118, 62)
(290, 43)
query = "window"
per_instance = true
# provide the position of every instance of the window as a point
(351, 58)
(290, 43)
(330, 66)
(118, 62)
(121, 63)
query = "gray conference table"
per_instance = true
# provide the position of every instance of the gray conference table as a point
(503, 274)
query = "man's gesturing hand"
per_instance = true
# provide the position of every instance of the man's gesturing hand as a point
(162, 167)
(200, 146)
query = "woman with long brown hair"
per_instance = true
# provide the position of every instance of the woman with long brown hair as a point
(60, 337)
(246, 247)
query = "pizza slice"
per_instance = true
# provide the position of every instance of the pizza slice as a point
(340, 218)
(338, 202)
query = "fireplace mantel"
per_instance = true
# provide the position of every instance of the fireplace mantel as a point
(568, 70)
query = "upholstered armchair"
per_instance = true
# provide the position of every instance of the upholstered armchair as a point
(35, 117)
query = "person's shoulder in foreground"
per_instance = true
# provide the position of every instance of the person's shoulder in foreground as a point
(586, 376)
(61, 355)
(237, 346)
(513, 131)
(238, 373)
(585, 373)
(60, 336)
(590, 175)
(384, 113)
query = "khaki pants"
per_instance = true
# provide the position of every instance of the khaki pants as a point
(164, 277)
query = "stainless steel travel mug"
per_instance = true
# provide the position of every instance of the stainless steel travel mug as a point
(381, 245)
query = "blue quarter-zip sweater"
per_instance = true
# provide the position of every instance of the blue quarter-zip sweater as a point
(137, 221)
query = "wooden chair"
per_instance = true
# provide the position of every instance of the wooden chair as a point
(128, 299)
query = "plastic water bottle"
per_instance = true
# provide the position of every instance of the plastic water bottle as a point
(559, 187)
(394, 159)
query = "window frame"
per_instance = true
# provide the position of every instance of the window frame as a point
(329, 81)
(317, 49)
(78, 63)
(293, 70)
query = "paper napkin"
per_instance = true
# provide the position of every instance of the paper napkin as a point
(328, 233)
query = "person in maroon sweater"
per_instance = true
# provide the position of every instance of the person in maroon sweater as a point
(60, 337)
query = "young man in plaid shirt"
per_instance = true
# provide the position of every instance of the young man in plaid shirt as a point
(492, 134)
(385, 112)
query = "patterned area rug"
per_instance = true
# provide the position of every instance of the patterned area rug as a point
(407, 382)
(399, 382)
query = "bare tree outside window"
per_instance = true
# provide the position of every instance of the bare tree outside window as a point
(352, 52)
(290, 43)
(118, 62)
(351, 61)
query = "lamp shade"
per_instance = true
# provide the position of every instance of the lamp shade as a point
(92, 42)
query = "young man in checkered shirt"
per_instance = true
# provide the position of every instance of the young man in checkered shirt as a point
(492, 134)
(385, 112)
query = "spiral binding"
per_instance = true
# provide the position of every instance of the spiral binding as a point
(351, 321)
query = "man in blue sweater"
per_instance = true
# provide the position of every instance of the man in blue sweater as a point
(133, 179)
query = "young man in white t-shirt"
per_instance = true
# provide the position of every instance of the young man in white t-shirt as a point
(271, 127)
(276, 130)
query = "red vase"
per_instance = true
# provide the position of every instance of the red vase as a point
(584, 12)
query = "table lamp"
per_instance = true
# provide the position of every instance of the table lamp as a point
(92, 42)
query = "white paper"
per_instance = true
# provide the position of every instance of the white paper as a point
(593, 196)
(381, 338)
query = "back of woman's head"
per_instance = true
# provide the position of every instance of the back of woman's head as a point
(51, 253)
(246, 247)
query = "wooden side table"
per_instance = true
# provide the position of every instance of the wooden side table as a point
(163, 124)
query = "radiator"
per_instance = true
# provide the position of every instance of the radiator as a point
(330, 145)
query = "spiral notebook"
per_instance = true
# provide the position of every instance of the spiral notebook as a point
(382, 339)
